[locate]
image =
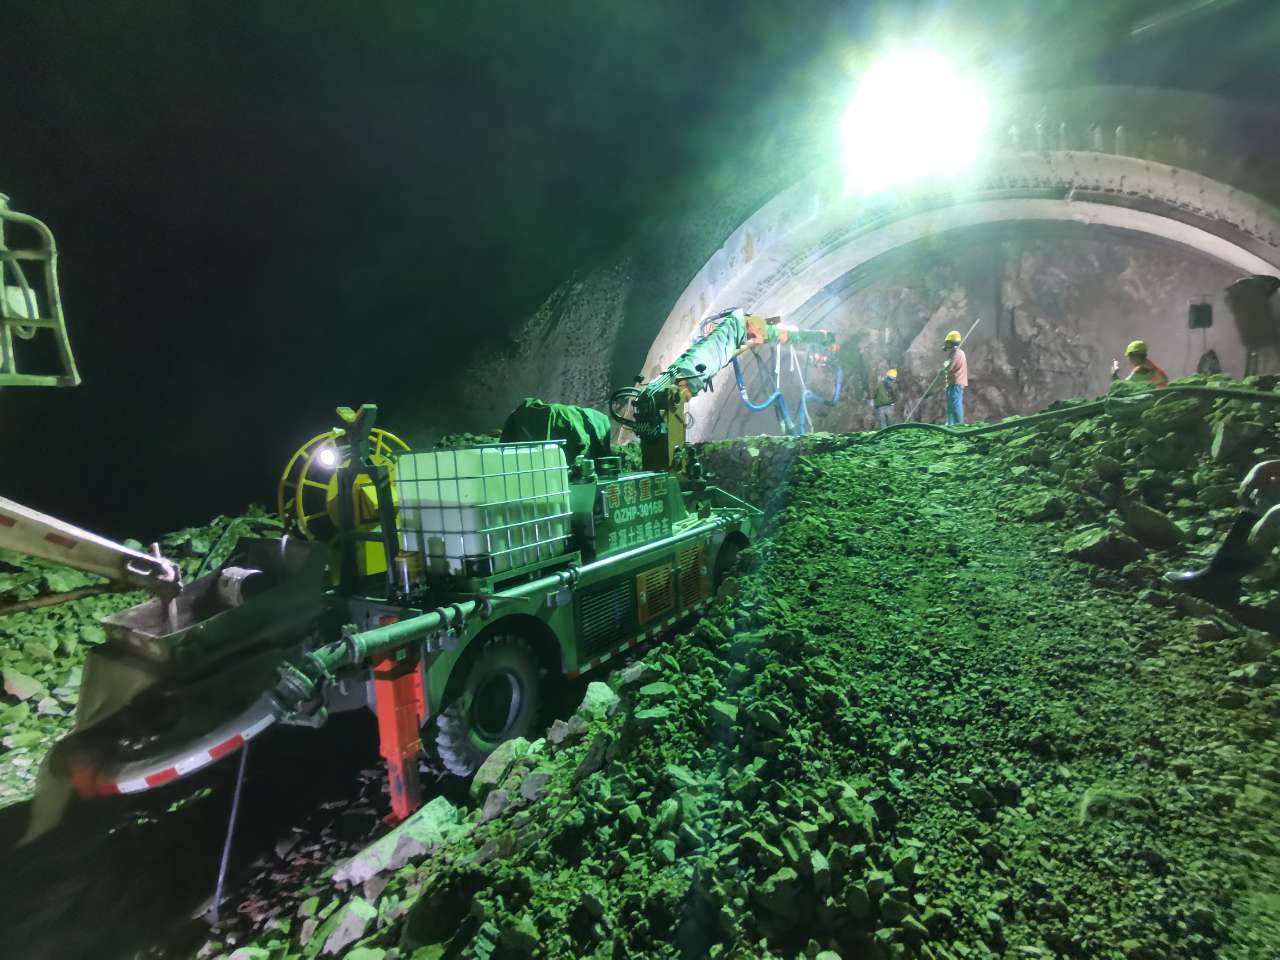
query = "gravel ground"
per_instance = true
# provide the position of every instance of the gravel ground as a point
(943, 709)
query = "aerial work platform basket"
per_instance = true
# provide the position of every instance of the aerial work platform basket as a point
(34, 348)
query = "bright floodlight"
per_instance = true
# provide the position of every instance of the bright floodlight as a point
(913, 115)
(328, 458)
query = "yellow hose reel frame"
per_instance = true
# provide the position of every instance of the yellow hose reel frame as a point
(307, 495)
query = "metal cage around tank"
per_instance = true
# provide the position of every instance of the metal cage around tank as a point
(483, 510)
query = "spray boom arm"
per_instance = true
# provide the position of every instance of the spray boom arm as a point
(720, 340)
(658, 406)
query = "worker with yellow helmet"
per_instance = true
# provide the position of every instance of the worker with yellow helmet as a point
(885, 397)
(957, 368)
(1144, 371)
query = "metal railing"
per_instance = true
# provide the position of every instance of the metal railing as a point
(27, 307)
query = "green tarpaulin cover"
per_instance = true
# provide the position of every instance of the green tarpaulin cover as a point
(584, 430)
(712, 352)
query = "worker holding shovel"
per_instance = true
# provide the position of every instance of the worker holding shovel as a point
(957, 369)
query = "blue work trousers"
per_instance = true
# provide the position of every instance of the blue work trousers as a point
(955, 405)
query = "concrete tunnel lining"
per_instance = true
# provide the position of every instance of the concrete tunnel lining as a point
(790, 296)
(810, 235)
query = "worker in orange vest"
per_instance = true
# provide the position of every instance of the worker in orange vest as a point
(1143, 369)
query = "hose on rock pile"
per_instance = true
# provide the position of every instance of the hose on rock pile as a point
(1083, 410)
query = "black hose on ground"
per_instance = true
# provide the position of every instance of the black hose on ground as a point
(1083, 410)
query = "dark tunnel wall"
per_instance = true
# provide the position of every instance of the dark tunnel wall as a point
(592, 334)
(266, 210)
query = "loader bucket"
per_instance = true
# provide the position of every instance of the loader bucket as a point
(180, 684)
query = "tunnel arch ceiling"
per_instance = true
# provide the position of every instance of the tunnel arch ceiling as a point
(811, 234)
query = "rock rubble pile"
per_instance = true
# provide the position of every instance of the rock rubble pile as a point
(945, 709)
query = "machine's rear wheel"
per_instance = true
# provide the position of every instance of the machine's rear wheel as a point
(500, 697)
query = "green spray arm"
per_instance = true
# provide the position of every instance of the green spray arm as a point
(723, 338)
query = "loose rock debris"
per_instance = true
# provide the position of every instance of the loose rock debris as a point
(945, 708)
(42, 652)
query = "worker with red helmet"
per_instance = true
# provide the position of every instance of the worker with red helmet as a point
(1144, 371)
(1255, 533)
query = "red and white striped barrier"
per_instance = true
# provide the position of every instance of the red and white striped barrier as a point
(157, 771)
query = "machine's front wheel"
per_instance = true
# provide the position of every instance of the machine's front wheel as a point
(500, 698)
(727, 559)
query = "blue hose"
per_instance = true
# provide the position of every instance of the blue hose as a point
(802, 424)
(802, 418)
(775, 397)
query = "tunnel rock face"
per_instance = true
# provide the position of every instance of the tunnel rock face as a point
(1057, 303)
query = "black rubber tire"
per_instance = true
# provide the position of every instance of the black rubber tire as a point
(725, 560)
(500, 697)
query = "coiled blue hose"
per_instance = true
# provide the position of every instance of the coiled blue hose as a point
(802, 424)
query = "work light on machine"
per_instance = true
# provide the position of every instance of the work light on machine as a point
(913, 115)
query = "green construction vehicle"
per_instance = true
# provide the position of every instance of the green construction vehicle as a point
(442, 589)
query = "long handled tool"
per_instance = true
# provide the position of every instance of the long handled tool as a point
(215, 910)
(915, 406)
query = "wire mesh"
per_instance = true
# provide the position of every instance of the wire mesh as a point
(485, 509)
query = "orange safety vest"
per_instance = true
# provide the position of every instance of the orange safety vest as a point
(1148, 371)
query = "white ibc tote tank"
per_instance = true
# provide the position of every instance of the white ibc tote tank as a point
(484, 509)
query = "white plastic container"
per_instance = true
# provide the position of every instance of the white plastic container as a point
(484, 510)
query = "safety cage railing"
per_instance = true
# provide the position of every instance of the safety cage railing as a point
(30, 305)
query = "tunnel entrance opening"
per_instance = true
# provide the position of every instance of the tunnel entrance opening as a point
(1058, 301)
(797, 254)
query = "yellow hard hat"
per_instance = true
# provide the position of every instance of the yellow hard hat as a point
(891, 373)
(1138, 347)
(952, 337)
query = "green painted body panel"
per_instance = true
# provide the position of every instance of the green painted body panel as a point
(632, 510)
(642, 563)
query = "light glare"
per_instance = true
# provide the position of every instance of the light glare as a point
(328, 458)
(913, 115)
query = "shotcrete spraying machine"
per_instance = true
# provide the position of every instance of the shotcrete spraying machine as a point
(442, 589)
(438, 588)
